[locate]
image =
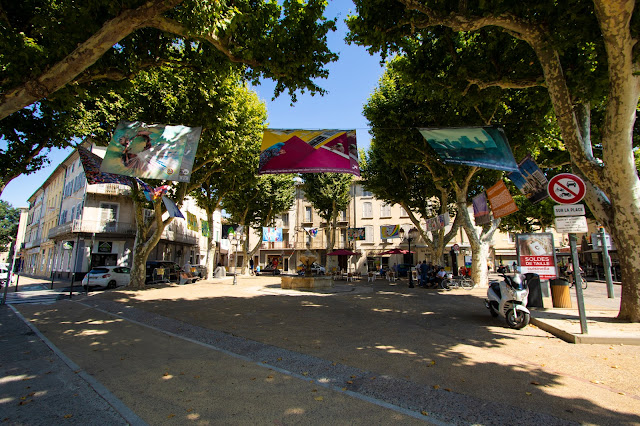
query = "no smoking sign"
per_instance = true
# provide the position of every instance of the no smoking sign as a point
(566, 188)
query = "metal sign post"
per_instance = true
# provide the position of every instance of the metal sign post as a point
(577, 279)
(567, 188)
(607, 264)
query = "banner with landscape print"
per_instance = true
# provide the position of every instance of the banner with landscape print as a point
(485, 147)
(309, 151)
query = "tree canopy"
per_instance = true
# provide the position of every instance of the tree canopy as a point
(583, 53)
(9, 221)
(54, 53)
(330, 194)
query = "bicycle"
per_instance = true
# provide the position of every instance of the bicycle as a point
(584, 283)
(452, 282)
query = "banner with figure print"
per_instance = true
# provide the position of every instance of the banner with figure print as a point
(485, 147)
(530, 180)
(481, 209)
(536, 254)
(309, 151)
(356, 234)
(389, 231)
(154, 151)
(438, 222)
(271, 235)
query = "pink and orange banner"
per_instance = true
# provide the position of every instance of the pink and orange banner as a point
(309, 151)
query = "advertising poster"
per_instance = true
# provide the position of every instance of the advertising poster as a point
(536, 254)
(501, 201)
(309, 151)
(485, 147)
(154, 151)
(530, 180)
(270, 235)
(355, 234)
(229, 231)
(389, 231)
(192, 222)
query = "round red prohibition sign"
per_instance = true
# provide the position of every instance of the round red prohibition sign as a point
(566, 188)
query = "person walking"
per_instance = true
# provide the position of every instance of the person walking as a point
(424, 274)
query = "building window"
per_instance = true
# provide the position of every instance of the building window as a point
(385, 210)
(403, 212)
(79, 210)
(308, 214)
(342, 216)
(366, 193)
(368, 234)
(285, 220)
(367, 210)
(108, 216)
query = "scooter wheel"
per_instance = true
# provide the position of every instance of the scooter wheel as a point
(517, 320)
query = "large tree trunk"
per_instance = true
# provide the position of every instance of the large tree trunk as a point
(143, 244)
(211, 247)
(618, 177)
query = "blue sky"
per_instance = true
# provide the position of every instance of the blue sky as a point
(351, 80)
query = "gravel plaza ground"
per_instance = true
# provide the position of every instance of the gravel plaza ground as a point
(360, 353)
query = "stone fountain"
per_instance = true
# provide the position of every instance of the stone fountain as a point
(308, 281)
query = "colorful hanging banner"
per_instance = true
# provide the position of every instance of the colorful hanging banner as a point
(155, 151)
(91, 164)
(481, 209)
(309, 151)
(271, 234)
(530, 180)
(230, 231)
(172, 208)
(192, 221)
(472, 146)
(204, 228)
(356, 234)
(502, 203)
(438, 222)
(313, 232)
(389, 231)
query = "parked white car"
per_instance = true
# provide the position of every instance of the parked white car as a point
(4, 274)
(318, 269)
(107, 276)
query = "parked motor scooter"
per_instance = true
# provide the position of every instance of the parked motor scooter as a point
(508, 298)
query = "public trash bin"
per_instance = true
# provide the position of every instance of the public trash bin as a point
(535, 291)
(560, 294)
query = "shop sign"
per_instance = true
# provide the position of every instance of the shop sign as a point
(104, 246)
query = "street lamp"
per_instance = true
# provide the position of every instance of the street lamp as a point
(236, 238)
(411, 235)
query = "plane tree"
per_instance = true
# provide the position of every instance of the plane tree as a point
(329, 193)
(53, 53)
(397, 108)
(257, 205)
(583, 53)
(232, 118)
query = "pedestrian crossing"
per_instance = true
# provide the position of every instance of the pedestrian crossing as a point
(43, 297)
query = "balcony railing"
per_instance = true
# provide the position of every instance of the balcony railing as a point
(276, 245)
(91, 227)
(109, 189)
(174, 232)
